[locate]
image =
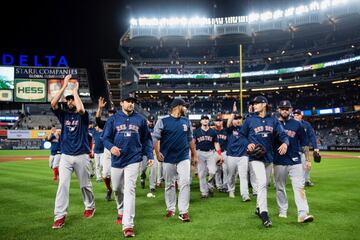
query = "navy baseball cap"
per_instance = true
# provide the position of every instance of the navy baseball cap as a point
(237, 116)
(204, 116)
(285, 104)
(297, 111)
(218, 118)
(151, 118)
(69, 97)
(112, 110)
(177, 102)
(128, 97)
(260, 99)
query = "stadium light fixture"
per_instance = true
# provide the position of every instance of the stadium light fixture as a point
(335, 3)
(133, 22)
(278, 14)
(289, 12)
(325, 4)
(301, 10)
(309, 53)
(282, 52)
(253, 17)
(314, 6)
(266, 16)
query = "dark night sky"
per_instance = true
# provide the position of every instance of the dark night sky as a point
(87, 31)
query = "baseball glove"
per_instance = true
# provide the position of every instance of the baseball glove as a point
(258, 153)
(317, 157)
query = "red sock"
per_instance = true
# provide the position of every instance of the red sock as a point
(107, 183)
(56, 173)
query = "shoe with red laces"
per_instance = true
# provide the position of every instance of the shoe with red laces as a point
(89, 213)
(170, 214)
(119, 219)
(59, 223)
(129, 232)
(184, 217)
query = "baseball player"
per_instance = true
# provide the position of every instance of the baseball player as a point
(262, 129)
(156, 169)
(55, 151)
(173, 135)
(221, 176)
(236, 156)
(143, 165)
(98, 152)
(206, 141)
(311, 137)
(105, 159)
(251, 175)
(127, 136)
(290, 165)
(74, 158)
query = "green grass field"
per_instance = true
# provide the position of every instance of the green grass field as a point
(27, 195)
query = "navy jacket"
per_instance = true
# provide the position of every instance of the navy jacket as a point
(264, 131)
(130, 134)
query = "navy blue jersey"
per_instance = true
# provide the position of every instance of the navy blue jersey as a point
(237, 143)
(91, 131)
(310, 134)
(175, 135)
(131, 135)
(264, 131)
(297, 140)
(99, 145)
(74, 132)
(205, 140)
(222, 138)
(55, 145)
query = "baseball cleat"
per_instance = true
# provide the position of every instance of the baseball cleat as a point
(265, 219)
(129, 232)
(231, 195)
(246, 199)
(204, 196)
(59, 223)
(184, 217)
(306, 219)
(118, 220)
(108, 195)
(309, 184)
(89, 213)
(282, 215)
(169, 214)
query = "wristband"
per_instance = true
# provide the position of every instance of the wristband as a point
(219, 152)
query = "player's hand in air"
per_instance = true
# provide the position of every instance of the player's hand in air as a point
(101, 103)
(66, 80)
(234, 107)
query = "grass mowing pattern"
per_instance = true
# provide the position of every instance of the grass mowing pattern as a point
(27, 195)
